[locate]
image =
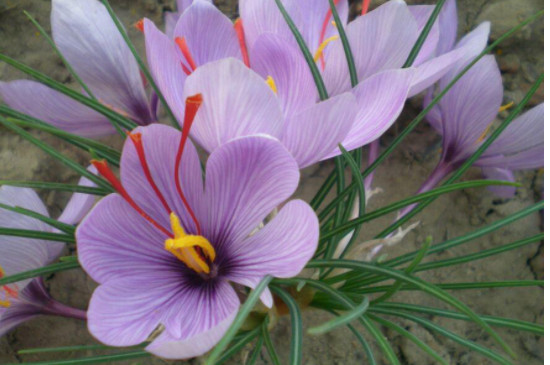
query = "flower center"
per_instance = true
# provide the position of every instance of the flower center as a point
(6, 292)
(193, 250)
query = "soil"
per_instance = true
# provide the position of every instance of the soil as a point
(452, 215)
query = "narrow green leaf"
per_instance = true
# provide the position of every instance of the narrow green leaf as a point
(240, 342)
(253, 357)
(426, 287)
(245, 310)
(408, 335)
(56, 154)
(323, 190)
(69, 349)
(141, 64)
(296, 322)
(345, 44)
(55, 186)
(454, 337)
(45, 270)
(323, 95)
(340, 319)
(453, 286)
(424, 34)
(269, 345)
(100, 359)
(41, 235)
(67, 228)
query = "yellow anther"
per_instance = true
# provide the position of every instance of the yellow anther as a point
(484, 134)
(4, 303)
(505, 107)
(271, 83)
(322, 47)
(194, 251)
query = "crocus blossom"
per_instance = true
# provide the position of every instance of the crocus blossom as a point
(89, 40)
(167, 247)
(26, 299)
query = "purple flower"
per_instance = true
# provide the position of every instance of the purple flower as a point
(171, 18)
(166, 249)
(26, 299)
(89, 40)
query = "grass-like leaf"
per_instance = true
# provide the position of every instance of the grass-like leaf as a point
(253, 357)
(45, 270)
(240, 341)
(345, 44)
(40, 235)
(340, 319)
(245, 310)
(67, 228)
(55, 186)
(100, 359)
(269, 345)
(453, 286)
(296, 325)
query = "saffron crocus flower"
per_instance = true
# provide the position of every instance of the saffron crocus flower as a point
(26, 299)
(89, 40)
(167, 248)
(171, 18)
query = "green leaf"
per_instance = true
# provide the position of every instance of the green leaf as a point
(426, 287)
(241, 341)
(100, 359)
(269, 344)
(253, 357)
(344, 228)
(323, 190)
(345, 44)
(55, 186)
(41, 235)
(70, 349)
(340, 319)
(67, 228)
(497, 321)
(56, 154)
(442, 331)
(452, 286)
(323, 95)
(141, 64)
(296, 322)
(408, 335)
(45, 270)
(245, 310)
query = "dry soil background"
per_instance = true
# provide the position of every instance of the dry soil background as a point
(521, 60)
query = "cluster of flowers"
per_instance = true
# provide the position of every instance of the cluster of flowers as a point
(170, 249)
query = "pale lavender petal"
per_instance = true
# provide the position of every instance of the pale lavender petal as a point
(493, 173)
(114, 242)
(245, 180)
(273, 56)
(39, 101)
(532, 158)
(170, 20)
(281, 249)
(448, 26)
(165, 67)
(89, 40)
(422, 13)
(380, 98)
(236, 102)
(209, 34)
(80, 204)
(160, 144)
(379, 40)
(315, 132)
(18, 254)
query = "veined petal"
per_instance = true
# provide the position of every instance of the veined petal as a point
(281, 249)
(422, 13)
(379, 40)
(80, 203)
(209, 34)
(313, 133)
(165, 67)
(39, 101)
(495, 173)
(273, 56)
(245, 180)
(448, 26)
(89, 40)
(236, 102)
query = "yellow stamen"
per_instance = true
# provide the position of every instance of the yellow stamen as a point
(505, 107)
(484, 134)
(4, 303)
(271, 83)
(322, 47)
(184, 247)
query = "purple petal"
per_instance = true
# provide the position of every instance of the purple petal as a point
(89, 40)
(281, 249)
(503, 175)
(80, 204)
(422, 13)
(245, 180)
(209, 34)
(236, 102)
(379, 40)
(448, 26)
(41, 102)
(165, 67)
(273, 56)
(160, 144)
(315, 132)
(114, 242)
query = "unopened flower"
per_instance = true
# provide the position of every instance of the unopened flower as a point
(90, 41)
(26, 299)
(167, 247)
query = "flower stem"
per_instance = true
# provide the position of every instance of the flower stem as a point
(59, 309)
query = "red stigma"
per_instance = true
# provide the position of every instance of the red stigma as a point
(106, 172)
(324, 31)
(240, 35)
(139, 25)
(138, 144)
(192, 105)
(182, 44)
(365, 7)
